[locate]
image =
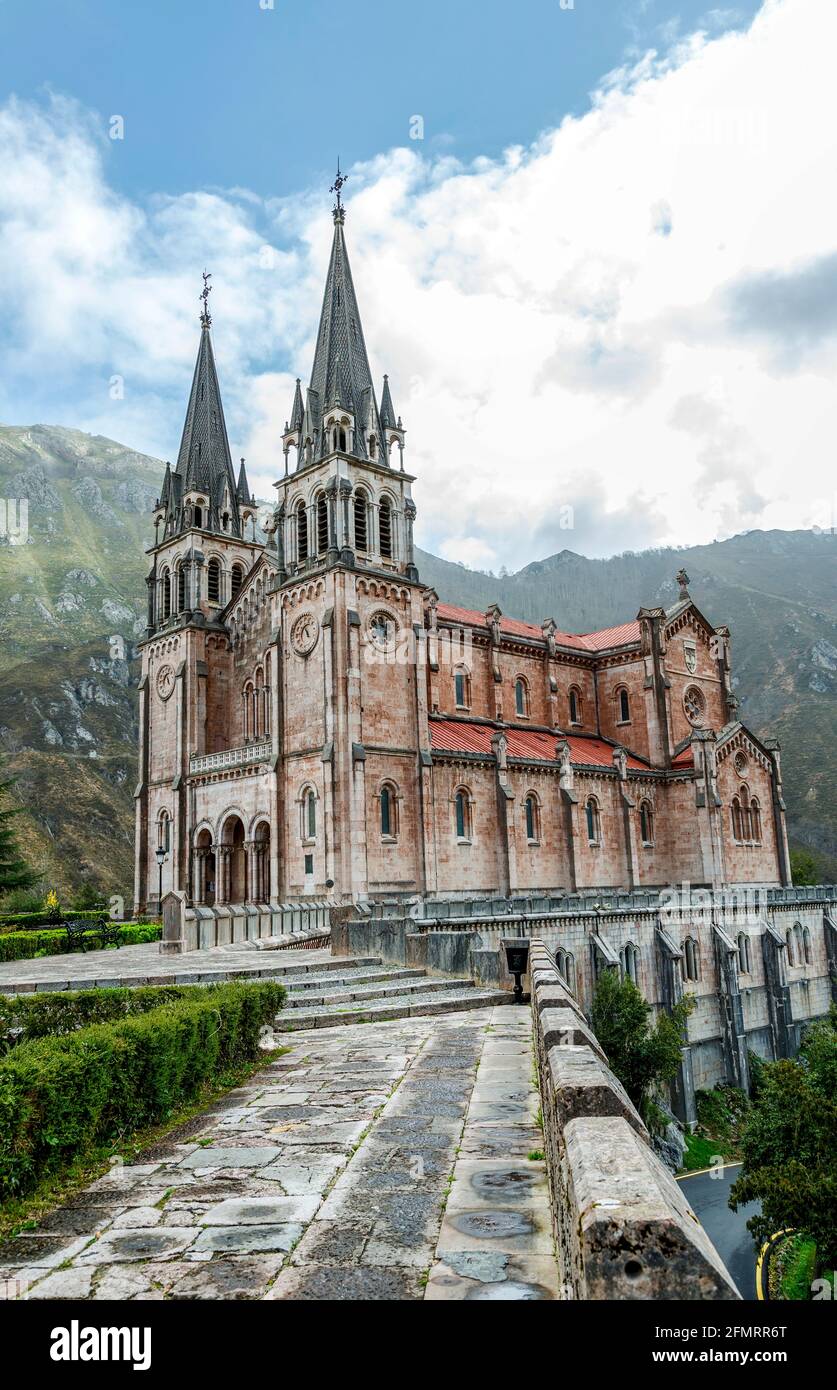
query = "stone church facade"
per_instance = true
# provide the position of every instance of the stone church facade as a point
(318, 724)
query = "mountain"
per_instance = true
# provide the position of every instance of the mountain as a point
(72, 604)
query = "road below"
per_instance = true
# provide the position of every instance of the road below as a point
(708, 1195)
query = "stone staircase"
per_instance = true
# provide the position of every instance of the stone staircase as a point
(364, 989)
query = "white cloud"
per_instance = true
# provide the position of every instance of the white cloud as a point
(634, 317)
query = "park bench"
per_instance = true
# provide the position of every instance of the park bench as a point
(107, 932)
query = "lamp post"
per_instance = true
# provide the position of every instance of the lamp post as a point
(517, 962)
(162, 856)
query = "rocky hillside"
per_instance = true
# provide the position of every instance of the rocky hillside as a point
(72, 603)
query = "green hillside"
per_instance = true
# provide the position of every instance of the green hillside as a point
(72, 603)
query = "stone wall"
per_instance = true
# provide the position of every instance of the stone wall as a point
(623, 1228)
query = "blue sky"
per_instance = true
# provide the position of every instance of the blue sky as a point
(225, 93)
(604, 285)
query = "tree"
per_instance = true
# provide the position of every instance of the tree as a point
(14, 871)
(804, 871)
(644, 1057)
(790, 1145)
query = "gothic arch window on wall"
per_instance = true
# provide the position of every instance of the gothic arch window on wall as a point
(744, 960)
(164, 831)
(630, 962)
(789, 946)
(575, 705)
(565, 962)
(462, 812)
(646, 823)
(388, 806)
(521, 698)
(308, 814)
(213, 581)
(385, 527)
(806, 945)
(462, 687)
(249, 706)
(181, 588)
(691, 959)
(532, 814)
(166, 594)
(623, 706)
(746, 818)
(361, 514)
(197, 516)
(322, 523)
(236, 580)
(798, 944)
(301, 531)
(594, 830)
(755, 821)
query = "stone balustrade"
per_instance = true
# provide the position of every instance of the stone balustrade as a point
(230, 757)
(623, 1227)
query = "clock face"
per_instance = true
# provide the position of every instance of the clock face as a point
(304, 634)
(165, 681)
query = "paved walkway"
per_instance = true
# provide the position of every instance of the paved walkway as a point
(133, 965)
(381, 1161)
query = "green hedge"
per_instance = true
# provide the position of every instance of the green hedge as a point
(23, 945)
(49, 1015)
(16, 921)
(61, 1096)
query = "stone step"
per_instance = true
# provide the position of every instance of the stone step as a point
(403, 1006)
(310, 984)
(303, 1000)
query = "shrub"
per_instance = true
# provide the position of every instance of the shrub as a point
(644, 1057)
(62, 1095)
(24, 1017)
(42, 918)
(23, 945)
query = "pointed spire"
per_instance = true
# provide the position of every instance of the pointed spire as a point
(243, 488)
(297, 409)
(204, 463)
(387, 409)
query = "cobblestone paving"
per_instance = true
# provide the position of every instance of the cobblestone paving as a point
(380, 1161)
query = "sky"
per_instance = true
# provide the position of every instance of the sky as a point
(594, 246)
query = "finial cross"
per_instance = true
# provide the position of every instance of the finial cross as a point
(204, 295)
(337, 186)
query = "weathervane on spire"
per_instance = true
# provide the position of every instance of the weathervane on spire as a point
(204, 295)
(337, 186)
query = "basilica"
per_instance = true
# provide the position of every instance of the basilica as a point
(315, 722)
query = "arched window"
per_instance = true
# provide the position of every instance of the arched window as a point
(258, 704)
(198, 517)
(623, 706)
(789, 947)
(339, 438)
(593, 821)
(630, 962)
(181, 588)
(361, 521)
(806, 945)
(213, 581)
(744, 963)
(755, 821)
(575, 705)
(521, 698)
(309, 814)
(646, 823)
(565, 962)
(389, 812)
(691, 959)
(248, 710)
(301, 531)
(322, 523)
(166, 594)
(385, 527)
(737, 823)
(373, 447)
(164, 831)
(532, 810)
(462, 688)
(236, 580)
(798, 944)
(462, 814)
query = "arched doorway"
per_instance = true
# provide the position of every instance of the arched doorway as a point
(260, 890)
(232, 868)
(204, 884)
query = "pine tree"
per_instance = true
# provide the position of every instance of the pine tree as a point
(14, 871)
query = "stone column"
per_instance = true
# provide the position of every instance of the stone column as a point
(223, 854)
(409, 544)
(199, 875)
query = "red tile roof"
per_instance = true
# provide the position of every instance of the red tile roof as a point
(461, 736)
(684, 759)
(591, 641)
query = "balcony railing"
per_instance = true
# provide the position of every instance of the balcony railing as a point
(230, 757)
